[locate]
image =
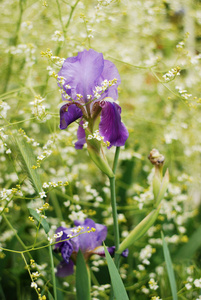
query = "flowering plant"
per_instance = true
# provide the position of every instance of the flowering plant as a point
(88, 84)
(89, 242)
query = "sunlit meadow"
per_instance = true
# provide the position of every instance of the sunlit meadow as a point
(47, 184)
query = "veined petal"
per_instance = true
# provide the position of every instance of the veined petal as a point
(68, 114)
(110, 72)
(80, 136)
(89, 241)
(82, 73)
(65, 269)
(111, 127)
(66, 251)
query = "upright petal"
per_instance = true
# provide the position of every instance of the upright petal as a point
(110, 72)
(89, 241)
(80, 136)
(111, 127)
(64, 269)
(82, 72)
(68, 114)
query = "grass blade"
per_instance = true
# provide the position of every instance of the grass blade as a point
(42, 221)
(170, 270)
(26, 157)
(53, 273)
(117, 284)
(82, 279)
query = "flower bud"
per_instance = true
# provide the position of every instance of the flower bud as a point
(160, 183)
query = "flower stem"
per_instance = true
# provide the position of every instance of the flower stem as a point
(53, 273)
(114, 208)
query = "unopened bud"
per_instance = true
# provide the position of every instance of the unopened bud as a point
(156, 158)
(160, 183)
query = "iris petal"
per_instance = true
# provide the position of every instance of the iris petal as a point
(111, 127)
(93, 239)
(82, 73)
(68, 114)
(64, 269)
(81, 137)
(66, 251)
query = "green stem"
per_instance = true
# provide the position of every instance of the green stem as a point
(114, 213)
(116, 159)
(115, 220)
(15, 232)
(10, 60)
(53, 273)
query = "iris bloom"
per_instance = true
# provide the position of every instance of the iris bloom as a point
(88, 84)
(89, 243)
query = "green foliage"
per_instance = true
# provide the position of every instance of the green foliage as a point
(82, 279)
(170, 270)
(42, 175)
(117, 284)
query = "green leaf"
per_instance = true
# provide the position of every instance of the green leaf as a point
(27, 159)
(50, 297)
(139, 230)
(188, 250)
(42, 221)
(163, 188)
(170, 270)
(117, 284)
(83, 284)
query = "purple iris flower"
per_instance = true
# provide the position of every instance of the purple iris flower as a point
(89, 243)
(88, 83)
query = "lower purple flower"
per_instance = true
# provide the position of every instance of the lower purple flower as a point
(89, 243)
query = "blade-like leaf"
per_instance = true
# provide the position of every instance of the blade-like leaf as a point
(188, 250)
(27, 159)
(170, 270)
(139, 230)
(82, 279)
(117, 284)
(42, 221)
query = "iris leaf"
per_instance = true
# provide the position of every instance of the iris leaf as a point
(27, 159)
(117, 284)
(82, 279)
(170, 270)
(42, 221)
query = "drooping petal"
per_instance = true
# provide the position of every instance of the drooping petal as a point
(64, 269)
(111, 127)
(80, 136)
(69, 114)
(66, 251)
(82, 72)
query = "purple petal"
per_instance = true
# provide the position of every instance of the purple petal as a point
(89, 241)
(66, 251)
(81, 137)
(69, 114)
(63, 237)
(111, 127)
(110, 72)
(64, 269)
(125, 253)
(82, 72)
(100, 251)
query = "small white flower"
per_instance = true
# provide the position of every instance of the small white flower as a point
(34, 285)
(42, 195)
